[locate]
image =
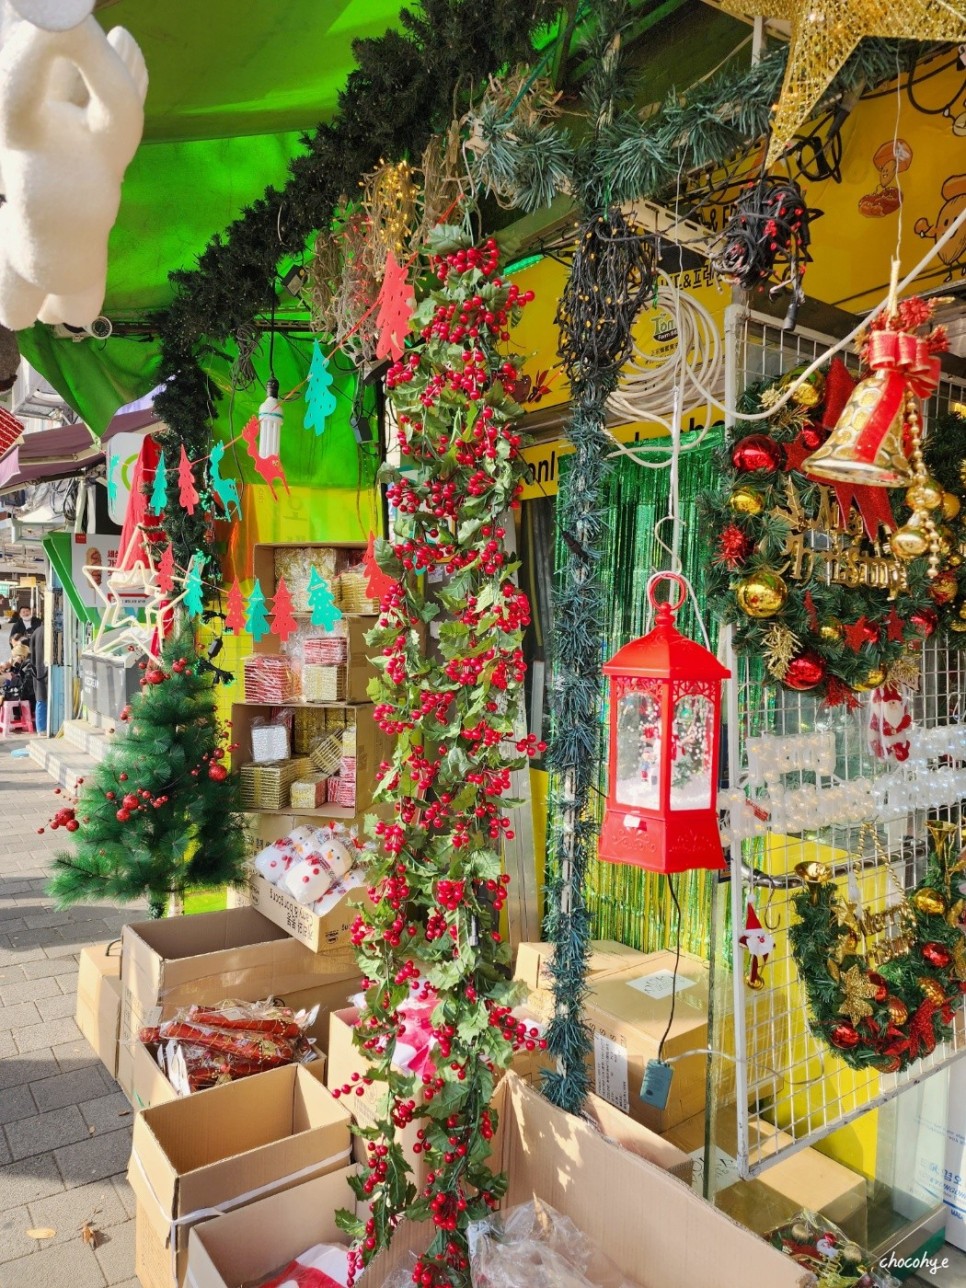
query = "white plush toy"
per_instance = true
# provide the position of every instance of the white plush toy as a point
(71, 118)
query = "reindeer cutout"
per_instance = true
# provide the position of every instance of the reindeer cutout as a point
(226, 490)
(269, 467)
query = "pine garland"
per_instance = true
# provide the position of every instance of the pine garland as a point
(944, 452)
(400, 93)
(436, 882)
(160, 813)
(884, 1017)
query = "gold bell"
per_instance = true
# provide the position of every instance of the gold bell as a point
(866, 445)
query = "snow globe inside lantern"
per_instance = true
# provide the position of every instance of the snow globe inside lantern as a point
(665, 722)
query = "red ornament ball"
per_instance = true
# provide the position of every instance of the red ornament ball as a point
(123, 815)
(72, 825)
(925, 621)
(804, 672)
(757, 452)
(844, 1037)
(130, 801)
(881, 991)
(155, 677)
(936, 955)
(812, 437)
(122, 778)
(217, 772)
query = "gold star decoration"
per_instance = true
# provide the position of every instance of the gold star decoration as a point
(844, 912)
(824, 35)
(857, 988)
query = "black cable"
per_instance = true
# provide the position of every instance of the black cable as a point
(677, 962)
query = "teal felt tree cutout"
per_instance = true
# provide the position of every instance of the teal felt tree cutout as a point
(166, 570)
(194, 600)
(283, 623)
(159, 493)
(235, 617)
(256, 623)
(319, 398)
(322, 604)
(188, 493)
(395, 310)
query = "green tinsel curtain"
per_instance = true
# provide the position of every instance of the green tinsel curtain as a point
(627, 903)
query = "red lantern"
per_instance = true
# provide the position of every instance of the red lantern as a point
(665, 721)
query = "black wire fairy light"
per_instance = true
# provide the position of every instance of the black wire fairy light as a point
(612, 276)
(766, 240)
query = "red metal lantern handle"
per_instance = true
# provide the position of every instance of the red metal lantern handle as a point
(667, 576)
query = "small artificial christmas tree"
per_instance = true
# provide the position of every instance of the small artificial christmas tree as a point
(320, 401)
(160, 813)
(159, 492)
(322, 605)
(166, 570)
(187, 492)
(283, 623)
(235, 617)
(256, 620)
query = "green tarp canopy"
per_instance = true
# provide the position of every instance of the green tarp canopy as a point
(233, 84)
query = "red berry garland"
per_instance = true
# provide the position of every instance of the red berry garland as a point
(436, 882)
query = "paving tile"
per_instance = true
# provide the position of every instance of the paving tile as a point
(116, 1254)
(125, 1194)
(46, 1131)
(45, 921)
(28, 990)
(74, 1055)
(10, 977)
(29, 1179)
(7, 1046)
(19, 956)
(20, 1070)
(43, 967)
(98, 1156)
(56, 1008)
(57, 1267)
(15, 1103)
(72, 1088)
(108, 1113)
(19, 1017)
(13, 1239)
(67, 1212)
(60, 949)
(53, 1035)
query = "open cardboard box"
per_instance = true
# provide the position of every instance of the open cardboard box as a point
(98, 1012)
(245, 1247)
(223, 1149)
(659, 1234)
(319, 934)
(532, 967)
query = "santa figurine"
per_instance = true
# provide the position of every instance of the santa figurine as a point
(758, 943)
(889, 724)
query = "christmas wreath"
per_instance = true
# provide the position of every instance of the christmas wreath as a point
(945, 455)
(804, 570)
(890, 1004)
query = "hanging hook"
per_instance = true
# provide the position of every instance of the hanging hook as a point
(765, 918)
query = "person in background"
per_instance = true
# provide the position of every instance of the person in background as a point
(38, 663)
(23, 623)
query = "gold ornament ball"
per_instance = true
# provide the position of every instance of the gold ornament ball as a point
(908, 543)
(852, 1252)
(763, 594)
(755, 984)
(927, 494)
(811, 393)
(944, 587)
(954, 560)
(951, 505)
(962, 610)
(954, 916)
(929, 901)
(800, 1232)
(898, 1011)
(849, 942)
(832, 631)
(947, 539)
(875, 676)
(932, 990)
(746, 500)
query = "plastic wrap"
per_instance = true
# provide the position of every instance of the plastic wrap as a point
(836, 1260)
(324, 1266)
(269, 678)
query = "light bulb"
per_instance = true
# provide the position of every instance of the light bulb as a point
(270, 421)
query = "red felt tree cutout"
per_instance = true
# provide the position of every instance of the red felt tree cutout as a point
(188, 493)
(379, 582)
(166, 571)
(235, 617)
(269, 467)
(395, 309)
(283, 623)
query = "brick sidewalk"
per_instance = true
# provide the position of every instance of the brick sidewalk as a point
(65, 1128)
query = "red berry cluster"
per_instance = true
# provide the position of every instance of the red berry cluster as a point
(437, 891)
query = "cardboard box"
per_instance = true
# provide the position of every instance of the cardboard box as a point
(372, 747)
(623, 1131)
(246, 1247)
(320, 934)
(99, 1000)
(659, 1233)
(532, 968)
(329, 995)
(214, 956)
(806, 1179)
(629, 1013)
(221, 1149)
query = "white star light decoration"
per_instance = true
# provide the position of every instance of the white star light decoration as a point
(125, 594)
